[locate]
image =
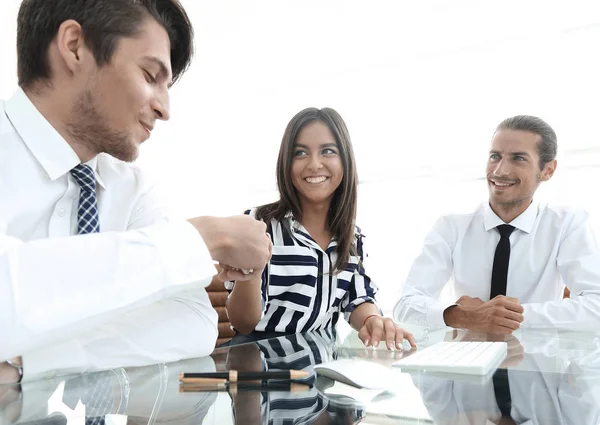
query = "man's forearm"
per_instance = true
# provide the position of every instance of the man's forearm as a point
(181, 327)
(45, 297)
(454, 316)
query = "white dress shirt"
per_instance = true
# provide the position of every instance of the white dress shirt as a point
(129, 296)
(551, 247)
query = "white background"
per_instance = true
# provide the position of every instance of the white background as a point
(421, 86)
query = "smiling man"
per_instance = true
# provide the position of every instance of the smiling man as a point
(94, 274)
(510, 259)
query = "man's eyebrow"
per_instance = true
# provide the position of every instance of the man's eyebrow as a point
(511, 153)
(163, 67)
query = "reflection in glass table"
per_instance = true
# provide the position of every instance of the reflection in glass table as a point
(550, 378)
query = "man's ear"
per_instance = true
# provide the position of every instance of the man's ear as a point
(549, 170)
(71, 45)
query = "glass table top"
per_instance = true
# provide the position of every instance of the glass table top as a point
(550, 378)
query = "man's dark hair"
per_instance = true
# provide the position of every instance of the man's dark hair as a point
(104, 23)
(547, 146)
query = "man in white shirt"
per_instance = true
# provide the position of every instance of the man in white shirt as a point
(505, 282)
(93, 273)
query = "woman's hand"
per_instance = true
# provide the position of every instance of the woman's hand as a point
(377, 329)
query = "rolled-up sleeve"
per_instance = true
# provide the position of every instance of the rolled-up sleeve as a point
(362, 289)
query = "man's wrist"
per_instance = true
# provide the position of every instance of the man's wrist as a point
(209, 230)
(454, 316)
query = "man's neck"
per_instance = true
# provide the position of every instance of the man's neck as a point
(508, 213)
(55, 110)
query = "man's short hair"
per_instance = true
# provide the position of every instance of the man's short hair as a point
(547, 145)
(104, 23)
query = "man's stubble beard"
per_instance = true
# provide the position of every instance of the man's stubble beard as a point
(90, 129)
(513, 203)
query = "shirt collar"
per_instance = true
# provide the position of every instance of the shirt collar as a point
(523, 222)
(300, 232)
(49, 148)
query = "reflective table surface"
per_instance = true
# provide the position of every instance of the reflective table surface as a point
(550, 378)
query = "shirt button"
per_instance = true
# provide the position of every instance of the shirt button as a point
(62, 212)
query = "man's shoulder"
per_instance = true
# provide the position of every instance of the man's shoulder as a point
(461, 217)
(559, 213)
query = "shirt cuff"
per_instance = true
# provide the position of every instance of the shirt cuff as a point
(435, 313)
(184, 254)
(358, 301)
(54, 360)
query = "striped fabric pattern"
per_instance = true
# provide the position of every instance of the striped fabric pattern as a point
(301, 352)
(299, 292)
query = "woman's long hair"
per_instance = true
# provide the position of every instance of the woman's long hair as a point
(342, 211)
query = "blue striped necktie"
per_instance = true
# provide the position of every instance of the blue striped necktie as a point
(87, 212)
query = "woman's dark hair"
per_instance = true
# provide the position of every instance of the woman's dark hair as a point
(342, 211)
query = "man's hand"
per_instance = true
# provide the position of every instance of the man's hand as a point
(501, 315)
(378, 328)
(470, 302)
(8, 374)
(239, 242)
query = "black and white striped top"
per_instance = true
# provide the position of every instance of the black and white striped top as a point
(298, 291)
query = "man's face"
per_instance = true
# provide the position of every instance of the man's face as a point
(513, 172)
(121, 101)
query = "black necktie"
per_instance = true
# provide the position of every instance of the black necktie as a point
(499, 277)
(500, 267)
(502, 391)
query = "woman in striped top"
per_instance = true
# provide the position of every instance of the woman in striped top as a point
(317, 268)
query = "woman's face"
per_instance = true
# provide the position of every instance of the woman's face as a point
(317, 169)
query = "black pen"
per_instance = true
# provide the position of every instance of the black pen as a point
(235, 376)
(244, 387)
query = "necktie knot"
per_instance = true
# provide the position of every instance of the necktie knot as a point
(85, 177)
(505, 230)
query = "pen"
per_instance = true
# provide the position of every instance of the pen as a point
(243, 387)
(235, 376)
